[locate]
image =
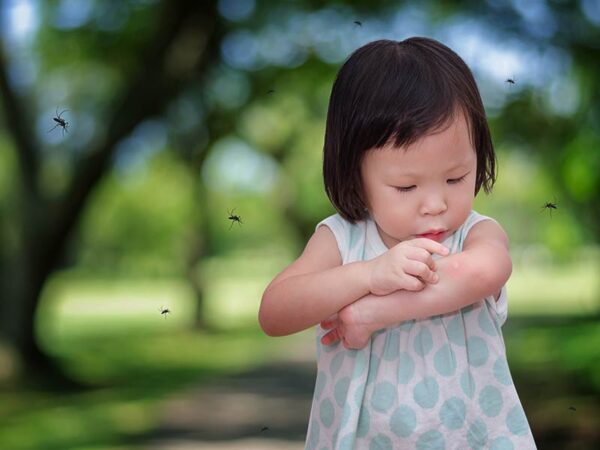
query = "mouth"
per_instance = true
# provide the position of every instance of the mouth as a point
(433, 235)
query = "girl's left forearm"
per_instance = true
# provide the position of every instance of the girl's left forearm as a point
(464, 278)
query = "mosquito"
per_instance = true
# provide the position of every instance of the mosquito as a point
(60, 122)
(358, 23)
(234, 218)
(550, 206)
(270, 91)
(164, 311)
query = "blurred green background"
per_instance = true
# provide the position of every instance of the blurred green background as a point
(181, 113)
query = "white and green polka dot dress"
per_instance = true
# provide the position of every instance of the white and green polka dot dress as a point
(436, 383)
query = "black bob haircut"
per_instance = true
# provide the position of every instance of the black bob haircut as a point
(401, 90)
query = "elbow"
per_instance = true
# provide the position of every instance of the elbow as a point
(267, 326)
(494, 273)
(270, 329)
(265, 320)
(275, 316)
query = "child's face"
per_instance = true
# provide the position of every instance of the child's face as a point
(437, 174)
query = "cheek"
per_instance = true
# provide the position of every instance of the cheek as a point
(461, 206)
(467, 194)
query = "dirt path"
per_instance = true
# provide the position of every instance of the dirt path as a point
(262, 409)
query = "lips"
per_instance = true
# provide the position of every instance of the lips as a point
(433, 235)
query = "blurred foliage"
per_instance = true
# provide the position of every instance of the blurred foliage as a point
(125, 233)
(274, 107)
(237, 126)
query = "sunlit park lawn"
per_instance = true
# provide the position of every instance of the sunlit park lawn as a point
(110, 334)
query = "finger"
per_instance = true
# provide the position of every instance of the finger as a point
(347, 344)
(422, 255)
(327, 324)
(431, 263)
(353, 345)
(431, 246)
(331, 338)
(412, 283)
(421, 270)
(330, 322)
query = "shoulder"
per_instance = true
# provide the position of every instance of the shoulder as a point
(335, 222)
(323, 245)
(344, 233)
(489, 242)
(320, 253)
(486, 231)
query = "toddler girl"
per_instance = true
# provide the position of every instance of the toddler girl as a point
(406, 283)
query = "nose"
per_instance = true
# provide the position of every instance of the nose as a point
(433, 204)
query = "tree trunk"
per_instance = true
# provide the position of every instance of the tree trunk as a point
(23, 280)
(46, 225)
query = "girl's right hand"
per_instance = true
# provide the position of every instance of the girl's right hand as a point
(408, 265)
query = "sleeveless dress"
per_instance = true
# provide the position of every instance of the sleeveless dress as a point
(437, 383)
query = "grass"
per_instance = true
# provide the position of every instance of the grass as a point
(555, 366)
(130, 375)
(111, 336)
(569, 290)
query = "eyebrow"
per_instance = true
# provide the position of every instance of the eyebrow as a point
(415, 174)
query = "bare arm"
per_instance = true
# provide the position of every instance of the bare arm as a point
(480, 270)
(312, 288)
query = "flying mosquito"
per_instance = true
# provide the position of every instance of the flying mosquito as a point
(164, 311)
(270, 91)
(60, 122)
(510, 81)
(234, 218)
(358, 23)
(550, 206)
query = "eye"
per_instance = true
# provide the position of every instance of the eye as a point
(457, 180)
(405, 188)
